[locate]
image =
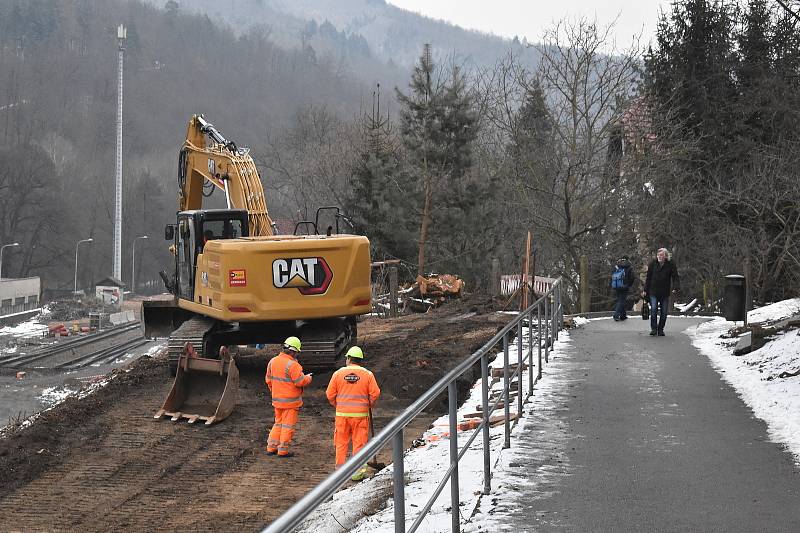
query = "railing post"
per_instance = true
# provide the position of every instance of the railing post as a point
(393, 291)
(494, 282)
(487, 473)
(520, 363)
(539, 337)
(555, 314)
(530, 353)
(560, 312)
(506, 387)
(546, 328)
(399, 483)
(452, 393)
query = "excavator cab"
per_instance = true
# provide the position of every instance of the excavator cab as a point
(193, 231)
(189, 236)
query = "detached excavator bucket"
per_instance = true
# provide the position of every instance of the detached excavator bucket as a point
(204, 389)
(161, 317)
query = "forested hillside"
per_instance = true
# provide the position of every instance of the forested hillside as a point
(351, 27)
(57, 120)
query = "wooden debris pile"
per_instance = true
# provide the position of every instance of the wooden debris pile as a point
(420, 296)
(428, 292)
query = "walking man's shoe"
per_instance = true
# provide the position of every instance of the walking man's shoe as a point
(661, 333)
(653, 333)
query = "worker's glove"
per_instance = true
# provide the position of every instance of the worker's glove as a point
(310, 374)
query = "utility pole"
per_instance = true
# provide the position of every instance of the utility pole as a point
(133, 264)
(77, 244)
(122, 34)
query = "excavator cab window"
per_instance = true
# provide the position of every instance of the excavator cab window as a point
(221, 229)
(185, 257)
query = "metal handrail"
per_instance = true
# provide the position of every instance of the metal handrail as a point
(553, 309)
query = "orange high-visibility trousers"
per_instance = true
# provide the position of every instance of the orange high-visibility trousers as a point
(349, 428)
(282, 431)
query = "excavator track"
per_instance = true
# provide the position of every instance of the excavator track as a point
(194, 331)
(324, 343)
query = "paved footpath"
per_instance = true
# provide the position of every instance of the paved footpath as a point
(645, 436)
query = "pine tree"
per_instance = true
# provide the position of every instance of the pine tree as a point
(438, 125)
(379, 207)
(691, 73)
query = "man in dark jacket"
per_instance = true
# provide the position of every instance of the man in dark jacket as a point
(621, 281)
(662, 280)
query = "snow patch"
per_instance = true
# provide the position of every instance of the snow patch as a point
(580, 321)
(426, 465)
(754, 376)
(54, 395)
(28, 328)
(775, 312)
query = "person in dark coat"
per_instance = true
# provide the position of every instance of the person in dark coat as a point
(621, 281)
(662, 280)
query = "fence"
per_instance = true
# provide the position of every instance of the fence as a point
(511, 283)
(547, 310)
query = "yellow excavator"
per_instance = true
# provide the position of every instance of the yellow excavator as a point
(236, 281)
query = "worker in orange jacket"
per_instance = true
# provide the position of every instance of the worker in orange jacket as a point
(352, 391)
(285, 379)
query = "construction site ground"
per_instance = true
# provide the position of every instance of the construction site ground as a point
(103, 463)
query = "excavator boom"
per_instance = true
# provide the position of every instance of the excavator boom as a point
(225, 166)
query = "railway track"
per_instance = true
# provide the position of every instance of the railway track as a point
(77, 353)
(104, 356)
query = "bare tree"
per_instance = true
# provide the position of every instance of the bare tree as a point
(560, 122)
(309, 164)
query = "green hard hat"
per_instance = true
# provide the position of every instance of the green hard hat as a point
(292, 343)
(355, 353)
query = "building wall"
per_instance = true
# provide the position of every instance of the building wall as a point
(18, 295)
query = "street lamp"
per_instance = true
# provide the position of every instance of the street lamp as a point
(1, 255)
(75, 289)
(133, 264)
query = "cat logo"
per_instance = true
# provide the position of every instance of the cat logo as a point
(309, 275)
(352, 378)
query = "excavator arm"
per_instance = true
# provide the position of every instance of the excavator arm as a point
(228, 168)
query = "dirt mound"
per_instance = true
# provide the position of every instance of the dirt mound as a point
(103, 463)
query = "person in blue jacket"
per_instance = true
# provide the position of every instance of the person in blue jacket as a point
(621, 282)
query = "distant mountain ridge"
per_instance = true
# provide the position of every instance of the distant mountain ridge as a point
(393, 35)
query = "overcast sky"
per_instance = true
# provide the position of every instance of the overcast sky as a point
(528, 18)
